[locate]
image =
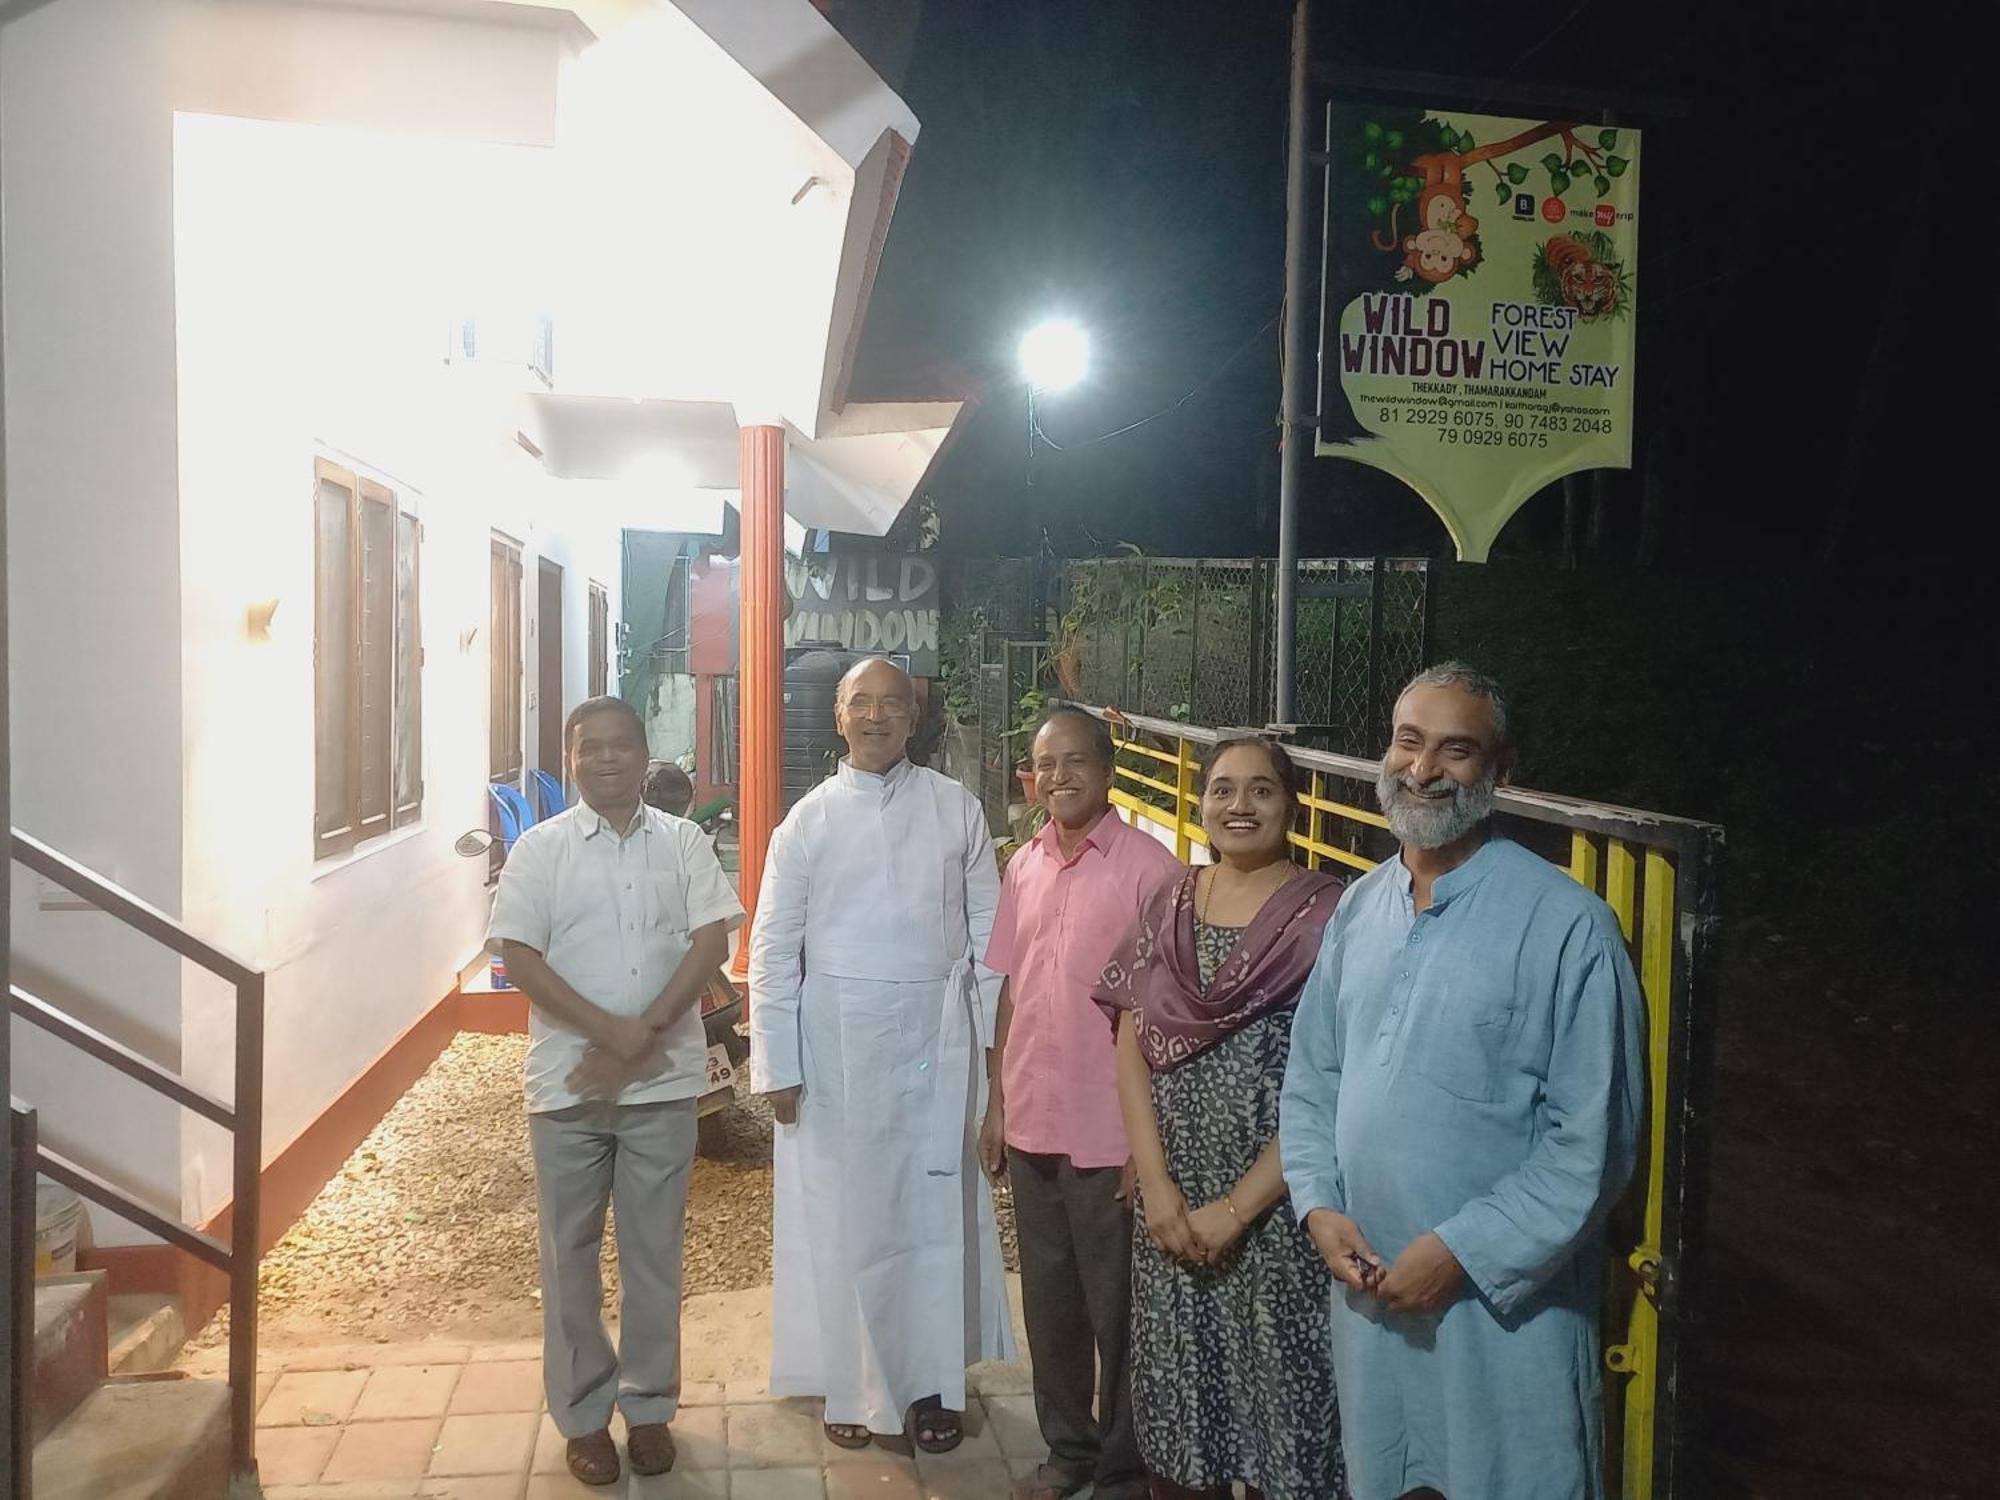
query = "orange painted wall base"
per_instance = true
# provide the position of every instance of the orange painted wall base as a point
(294, 1176)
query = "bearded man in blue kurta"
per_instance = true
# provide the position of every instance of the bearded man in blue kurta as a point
(1460, 1112)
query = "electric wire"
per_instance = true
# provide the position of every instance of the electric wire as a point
(1166, 411)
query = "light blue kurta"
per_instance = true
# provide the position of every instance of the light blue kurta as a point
(1476, 1070)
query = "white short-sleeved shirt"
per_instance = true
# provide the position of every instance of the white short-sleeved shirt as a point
(612, 916)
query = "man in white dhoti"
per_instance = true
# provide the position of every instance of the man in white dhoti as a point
(870, 1024)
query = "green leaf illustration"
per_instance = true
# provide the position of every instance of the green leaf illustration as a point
(1553, 161)
(1371, 161)
(1603, 185)
(1393, 140)
(1465, 140)
(1371, 132)
(1607, 138)
(1377, 206)
(1516, 173)
(1500, 193)
(1558, 182)
(1616, 165)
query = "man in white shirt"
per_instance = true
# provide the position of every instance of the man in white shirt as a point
(610, 917)
(870, 1023)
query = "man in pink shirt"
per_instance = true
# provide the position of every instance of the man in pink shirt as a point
(1052, 1122)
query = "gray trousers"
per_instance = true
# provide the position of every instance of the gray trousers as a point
(638, 1157)
(1076, 1296)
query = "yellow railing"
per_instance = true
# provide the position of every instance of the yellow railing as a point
(1658, 875)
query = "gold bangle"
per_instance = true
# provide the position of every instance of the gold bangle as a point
(1230, 1204)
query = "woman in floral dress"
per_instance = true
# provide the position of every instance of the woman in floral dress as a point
(1232, 1373)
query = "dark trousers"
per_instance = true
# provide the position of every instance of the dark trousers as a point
(1076, 1296)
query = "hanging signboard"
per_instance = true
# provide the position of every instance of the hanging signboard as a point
(1477, 322)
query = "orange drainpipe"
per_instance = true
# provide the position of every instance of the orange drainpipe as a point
(761, 643)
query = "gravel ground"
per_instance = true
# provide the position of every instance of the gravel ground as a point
(429, 1230)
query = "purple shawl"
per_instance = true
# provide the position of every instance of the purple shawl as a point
(1156, 975)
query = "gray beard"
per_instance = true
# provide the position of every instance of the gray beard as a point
(1426, 825)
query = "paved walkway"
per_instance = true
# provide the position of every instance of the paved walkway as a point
(466, 1422)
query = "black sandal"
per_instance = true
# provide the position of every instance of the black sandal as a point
(933, 1428)
(845, 1434)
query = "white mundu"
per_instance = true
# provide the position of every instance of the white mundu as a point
(886, 1283)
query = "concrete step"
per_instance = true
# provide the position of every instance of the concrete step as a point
(71, 1356)
(146, 1332)
(140, 1440)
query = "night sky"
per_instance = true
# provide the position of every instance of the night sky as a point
(1123, 163)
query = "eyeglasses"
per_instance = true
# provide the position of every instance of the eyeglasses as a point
(888, 708)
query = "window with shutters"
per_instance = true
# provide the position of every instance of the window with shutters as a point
(367, 660)
(600, 640)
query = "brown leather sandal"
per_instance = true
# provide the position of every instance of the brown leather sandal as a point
(933, 1427)
(593, 1459)
(651, 1448)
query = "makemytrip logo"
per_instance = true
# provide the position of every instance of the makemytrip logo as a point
(1606, 216)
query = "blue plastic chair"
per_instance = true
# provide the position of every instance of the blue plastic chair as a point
(549, 798)
(516, 816)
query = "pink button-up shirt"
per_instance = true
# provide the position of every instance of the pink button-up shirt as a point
(1058, 924)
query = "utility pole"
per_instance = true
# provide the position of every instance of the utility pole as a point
(17, 1317)
(1294, 437)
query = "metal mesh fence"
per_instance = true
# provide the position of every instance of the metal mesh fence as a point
(1233, 626)
(1403, 633)
(1188, 639)
(993, 593)
(1194, 639)
(1363, 631)
(1167, 640)
(1335, 617)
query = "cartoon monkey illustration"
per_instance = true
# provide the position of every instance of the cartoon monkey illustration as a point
(1446, 240)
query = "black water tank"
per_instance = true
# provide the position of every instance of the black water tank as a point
(812, 745)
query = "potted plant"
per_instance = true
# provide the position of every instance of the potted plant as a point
(1028, 712)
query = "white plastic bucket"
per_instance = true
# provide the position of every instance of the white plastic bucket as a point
(58, 1226)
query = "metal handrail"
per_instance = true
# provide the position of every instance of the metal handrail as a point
(1521, 802)
(88, 1184)
(244, 1119)
(115, 900)
(116, 1054)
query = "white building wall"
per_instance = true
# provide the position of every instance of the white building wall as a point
(156, 489)
(94, 638)
(316, 272)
